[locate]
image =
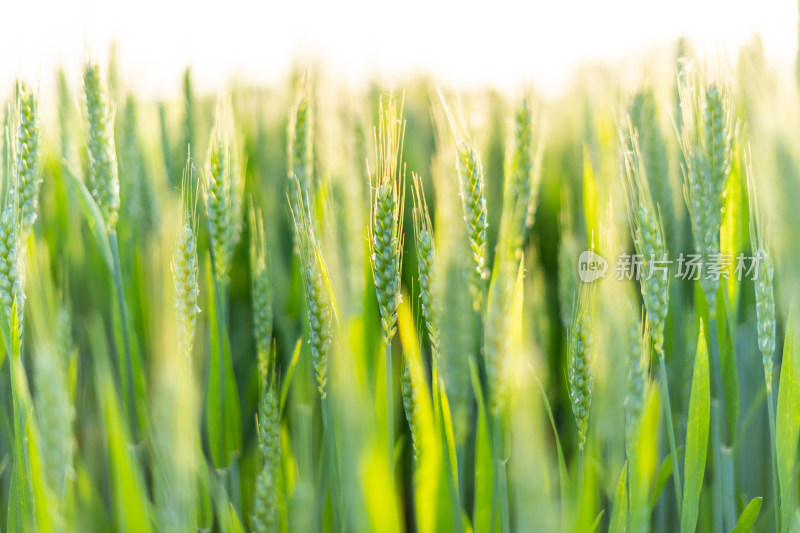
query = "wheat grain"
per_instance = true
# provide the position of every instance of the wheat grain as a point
(261, 292)
(267, 490)
(218, 198)
(319, 307)
(410, 402)
(706, 138)
(648, 238)
(55, 414)
(637, 367)
(188, 113)
(643, 115)
(184, 266)
(473, 201)
(28, 178)
(103, 172)
(522, 176)
(11, 283)
(64, 115)
(581, 380)
(386, 230)
(427, 266)
(763, 282)
(301, 149)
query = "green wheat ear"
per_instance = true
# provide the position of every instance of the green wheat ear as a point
(706, 138)
(473, 201)
(268, 486)
(637, 364)
(410, 402)
(189, 112)
(319, 302)
(648, 238)
(301, 148)
(428, 266)
(11, 283)
(28, 160)
(765, 297)
(386, 213)
(184, 264)
(643, 114)
(103, 171)
(580, 378)
(261, 292)
(218, 191)
(522, 176)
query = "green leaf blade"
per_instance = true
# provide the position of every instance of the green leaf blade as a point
(788, 421)
(696, 436)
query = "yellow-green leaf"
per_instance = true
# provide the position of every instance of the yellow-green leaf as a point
(619, 515)
(748, 517)
(788, 420)
(484, 469)
(94, 218)
(696, 436)
(222, 399)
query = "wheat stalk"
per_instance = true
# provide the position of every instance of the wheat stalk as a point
(386, 234)
(765, 313)
(648, 238)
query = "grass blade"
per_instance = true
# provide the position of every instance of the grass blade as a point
(287, 380)
(223, 419)
(748, 517)
(484, 468)
(788, 423)
(619, 516)
(93, 216)
(696, 436)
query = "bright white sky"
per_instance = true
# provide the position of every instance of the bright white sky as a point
(466, 43)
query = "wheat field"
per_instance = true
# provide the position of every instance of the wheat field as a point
(401, 307)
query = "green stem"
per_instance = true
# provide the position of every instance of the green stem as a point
(772, 439)
(715, 357)
(128, 385)
(233, 479)
(721, 424)
(330, 477)
(673, 450)
(580, 478)
(501, 490)
(220, 342)
(716, 480)
(389, 411)
(729, 504)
